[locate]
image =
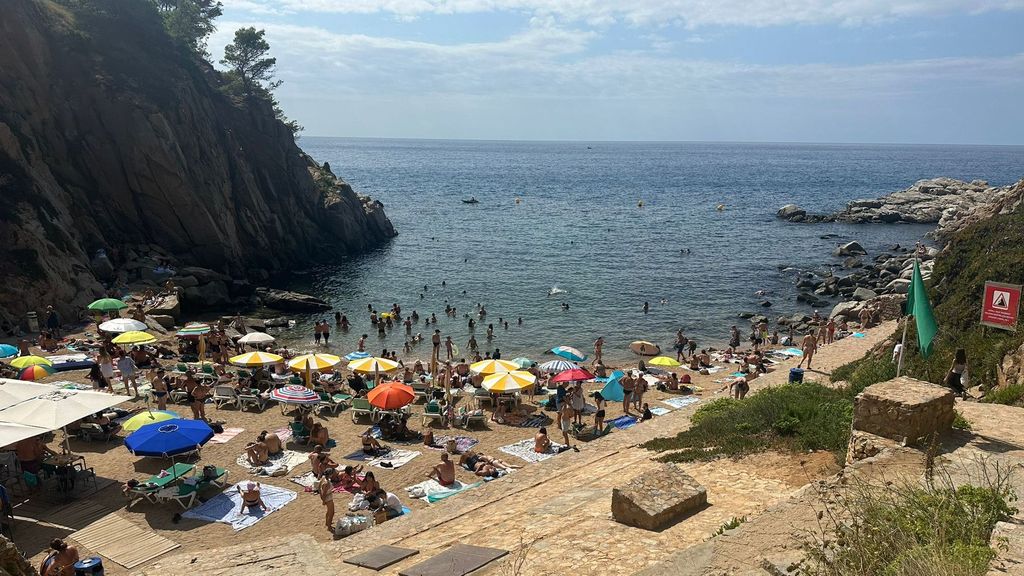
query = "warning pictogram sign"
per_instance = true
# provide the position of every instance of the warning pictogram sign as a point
(999, 309)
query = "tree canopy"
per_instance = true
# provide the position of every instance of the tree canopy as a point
(190, 22)
(251, 70)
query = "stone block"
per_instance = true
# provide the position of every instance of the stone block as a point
(167, 306)
(658, 498)
(904, 409)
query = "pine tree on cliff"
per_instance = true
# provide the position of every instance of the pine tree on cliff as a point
(250, 67)
(190, 21)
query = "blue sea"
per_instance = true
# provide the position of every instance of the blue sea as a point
(577, 226)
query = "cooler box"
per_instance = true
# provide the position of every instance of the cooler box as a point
(796, 375)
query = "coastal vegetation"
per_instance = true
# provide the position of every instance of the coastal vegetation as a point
(974, 255)
(931, 528)
(807, 416)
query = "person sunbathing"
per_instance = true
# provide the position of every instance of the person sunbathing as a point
(444, 472)
(251, 497)
(273, 442)
(320, 460)
(349, 478)
(470, 460)
(371, 446)
(256, 453)
(541, 442)
(369, 484)
(318, 434)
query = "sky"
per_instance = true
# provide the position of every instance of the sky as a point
(877, 71)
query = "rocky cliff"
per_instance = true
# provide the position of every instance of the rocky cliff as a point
(114, 138)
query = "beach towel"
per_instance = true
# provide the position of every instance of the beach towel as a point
(279, 464)
(659, 411)
(790, 352)
(226, 435)
(857, 335)
(535, 421)
(432, 491)
(462, 443)
(711, 370)
(680, 401)
(524, 451)
(623, 422)
(309, 482)
(285, 434)
(394, 459)
(226, 506)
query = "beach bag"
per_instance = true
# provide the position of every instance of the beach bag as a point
(350, 524)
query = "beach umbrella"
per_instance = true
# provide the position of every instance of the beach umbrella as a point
(373, 365)
(122, 325)
(573, 375)
(134, 337)
(17, 391)
(11, 433)
(509, 381)
(391, 395)
(255, 359)
(522, 362)
(645, 348)
(663, 361)
(295, 394)
(255, 338)
(556, 366)
(356, 356)
(612, 390)
(6, 350)
(169, 438)
(493, 366)
(26, 361)
(194, 330)
(35, 372)
(59, 407)
(146, 418)
(569, 353)
(107, 305)
(314, 362)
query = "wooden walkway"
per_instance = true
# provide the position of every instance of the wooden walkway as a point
(122, 541)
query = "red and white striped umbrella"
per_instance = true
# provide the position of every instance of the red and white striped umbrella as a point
(295, 394)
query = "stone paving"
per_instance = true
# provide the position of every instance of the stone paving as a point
(558, 510)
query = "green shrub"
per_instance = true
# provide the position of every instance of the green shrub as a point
(1010, 395)
(959, 422)
(805, 416)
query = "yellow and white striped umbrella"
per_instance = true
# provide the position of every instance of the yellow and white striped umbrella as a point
(373, 365)
(493, 366)
(513, 381)
(314, 362)
(255, 359)
(134, 337)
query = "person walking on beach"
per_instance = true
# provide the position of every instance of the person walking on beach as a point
(734, 338)
(449, 348)
(326, 490)
(830, 335)
(598, 347)
(128, 370)
(160, 389)
(809, 346)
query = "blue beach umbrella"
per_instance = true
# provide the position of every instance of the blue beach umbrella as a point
(169, 438)
(569, 353)
(6, 351)
(612, 390)
(356, 356)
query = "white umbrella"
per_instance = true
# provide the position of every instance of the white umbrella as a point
(17, 391)
(12, 433)
(58, 408)
(122, 325)
(256, 338)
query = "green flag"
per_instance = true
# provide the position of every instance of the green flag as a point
(921, 309)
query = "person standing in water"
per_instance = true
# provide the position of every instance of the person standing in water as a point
(598, 347)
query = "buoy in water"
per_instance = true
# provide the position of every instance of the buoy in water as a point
(640, 204)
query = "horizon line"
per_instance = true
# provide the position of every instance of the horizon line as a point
(634, 141)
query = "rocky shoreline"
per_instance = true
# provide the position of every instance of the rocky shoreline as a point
(881, 281)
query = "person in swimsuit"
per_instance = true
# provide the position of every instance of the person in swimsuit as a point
(809, 347)
(627, 392)
(326, 490)
(371, 446)
(541, 442)
(256, 453)
(349, 479)
(444, 472)
(472, 459)
(60, 561)
(598, 350)
(30, 453)
(251, 497)
(370, 483)
(159, 383)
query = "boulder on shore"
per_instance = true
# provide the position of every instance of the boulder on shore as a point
(861, 294)
(851, 249)
(792, 213)
(290, 301)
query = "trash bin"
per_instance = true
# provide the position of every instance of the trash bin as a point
(33, 322)
(796, 375)
(89, 567)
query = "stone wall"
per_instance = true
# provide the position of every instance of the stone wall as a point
(658, 498)
(903, 409)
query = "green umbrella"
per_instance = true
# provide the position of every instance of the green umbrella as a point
(107, 305)
(523, 363)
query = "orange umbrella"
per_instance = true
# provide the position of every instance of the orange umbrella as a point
(391, 395)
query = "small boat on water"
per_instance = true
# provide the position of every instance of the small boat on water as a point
(470, 200)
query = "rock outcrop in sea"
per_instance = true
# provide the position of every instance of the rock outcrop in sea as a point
(932, 201)
(120, 150)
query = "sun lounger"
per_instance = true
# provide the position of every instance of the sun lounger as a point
(431, 412)
(224, 396)
(332, 402)
(148, 489)
(251, 399)
(89, 432)
(362, 406)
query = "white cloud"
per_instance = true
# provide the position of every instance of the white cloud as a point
(690, 13)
